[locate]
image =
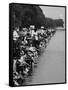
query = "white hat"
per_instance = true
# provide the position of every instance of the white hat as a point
(32, 26)
(42, 27)
(24, 29)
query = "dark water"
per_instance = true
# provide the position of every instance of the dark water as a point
(51, 65)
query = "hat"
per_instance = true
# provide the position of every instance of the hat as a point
(32, 26)
(42, 27)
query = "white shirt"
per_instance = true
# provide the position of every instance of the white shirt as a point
(15, 35)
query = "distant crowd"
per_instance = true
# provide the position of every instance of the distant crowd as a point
(27, 46)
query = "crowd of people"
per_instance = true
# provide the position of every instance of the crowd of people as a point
(27, 45)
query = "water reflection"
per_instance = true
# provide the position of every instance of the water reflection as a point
(51, 65)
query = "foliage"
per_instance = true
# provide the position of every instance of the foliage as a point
(26, 15)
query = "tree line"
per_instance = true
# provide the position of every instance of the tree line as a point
(26, 15)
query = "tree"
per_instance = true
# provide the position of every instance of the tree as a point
(26, 15)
